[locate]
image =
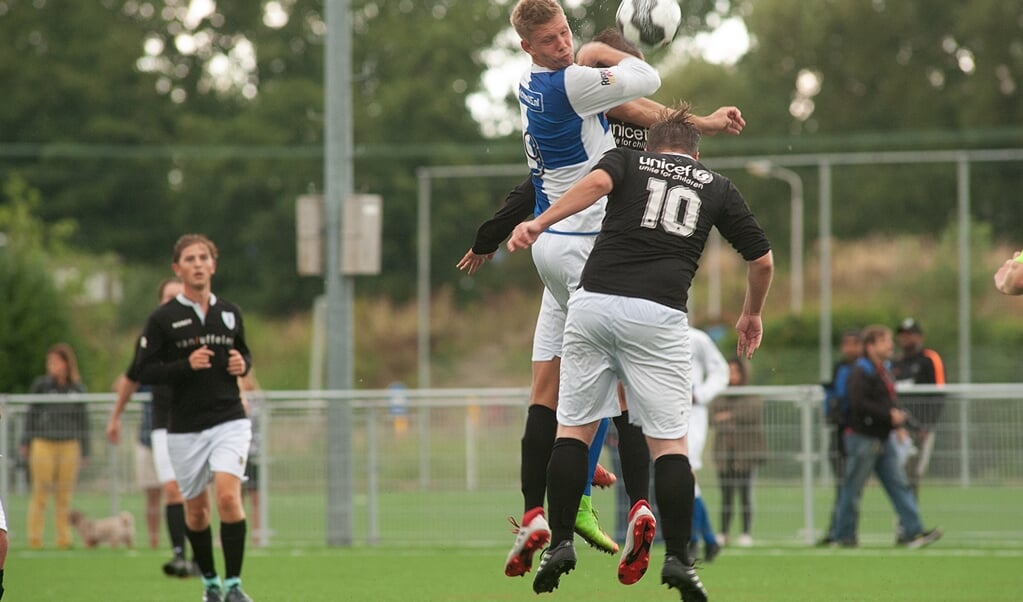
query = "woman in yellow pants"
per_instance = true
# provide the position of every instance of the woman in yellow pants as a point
(55, 441)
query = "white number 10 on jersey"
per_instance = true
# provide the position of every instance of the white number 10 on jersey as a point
(664, 206)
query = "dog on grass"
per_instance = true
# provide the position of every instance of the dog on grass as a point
(113, 530)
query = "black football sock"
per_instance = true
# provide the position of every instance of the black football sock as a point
(537, 442)
(675, 485)
(232, 538)
(635, 456)
(175, 514)
(202, 550)
(566, 480)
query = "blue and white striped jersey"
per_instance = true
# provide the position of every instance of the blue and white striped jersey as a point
(565, 131)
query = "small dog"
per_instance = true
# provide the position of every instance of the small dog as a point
(114, 530)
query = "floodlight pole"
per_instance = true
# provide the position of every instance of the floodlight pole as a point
(767, 169)
(337, 173)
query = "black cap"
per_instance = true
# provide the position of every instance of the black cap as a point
(909, 325)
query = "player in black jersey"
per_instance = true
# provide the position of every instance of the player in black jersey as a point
(628, 321)
(196, 344)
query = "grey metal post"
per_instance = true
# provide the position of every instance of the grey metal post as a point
(114, 461)
(264, 471)
(963, 202)
(768, 169)
(806, 410)
(372, 478)
(338, 186)
(825, 244)
(423, 279)
(423, 336)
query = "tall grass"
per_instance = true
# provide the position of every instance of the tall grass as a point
(487, 343)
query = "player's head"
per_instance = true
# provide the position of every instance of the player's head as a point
(168, 289)
(544, 32)
(613, 37)
(188, 240)
(675, 132)
(195, 260)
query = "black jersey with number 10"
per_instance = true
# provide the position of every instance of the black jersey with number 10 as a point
(659, 216)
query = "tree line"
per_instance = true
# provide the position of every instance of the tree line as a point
(135, 122)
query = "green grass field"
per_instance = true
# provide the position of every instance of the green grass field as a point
(458, 574)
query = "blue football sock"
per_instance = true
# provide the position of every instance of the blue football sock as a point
(595, 448)
(703, 525)
(699, 514)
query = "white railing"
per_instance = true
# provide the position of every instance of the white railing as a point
(444, 463)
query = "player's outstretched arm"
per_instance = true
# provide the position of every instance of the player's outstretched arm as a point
(641, 112)
(750, 327)
(581, 195)
(1009, 277)
(518, 205)
(727, 120)
(472, 261)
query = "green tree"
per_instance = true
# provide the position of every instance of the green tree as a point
(831, 76)
(33, 314)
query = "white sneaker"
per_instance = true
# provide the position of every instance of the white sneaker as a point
(530, 536)
(745, 541)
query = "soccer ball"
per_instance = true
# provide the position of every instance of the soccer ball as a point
(651, 23)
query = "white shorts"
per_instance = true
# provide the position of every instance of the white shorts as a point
(559, 260)
(697, 438)
(196, 456)
(145, 472)
(550, 329)
(161, 457)
(645, 344)
(3, 518)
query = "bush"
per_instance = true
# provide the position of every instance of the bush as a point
(33, 316)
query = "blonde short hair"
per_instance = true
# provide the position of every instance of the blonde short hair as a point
(528, 15)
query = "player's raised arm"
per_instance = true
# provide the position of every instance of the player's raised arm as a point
(581, 195)
(725, 120)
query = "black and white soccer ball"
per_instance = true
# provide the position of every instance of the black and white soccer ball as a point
(649, 23)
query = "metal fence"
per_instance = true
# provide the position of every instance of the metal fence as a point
(443, 466)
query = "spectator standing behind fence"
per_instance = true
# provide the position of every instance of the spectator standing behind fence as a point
(836, 413)
(740, 445)
(873, 414)
(1009, 276)
(918, 365)
(56, 443)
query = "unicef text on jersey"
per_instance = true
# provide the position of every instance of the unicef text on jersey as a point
(697, 178)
